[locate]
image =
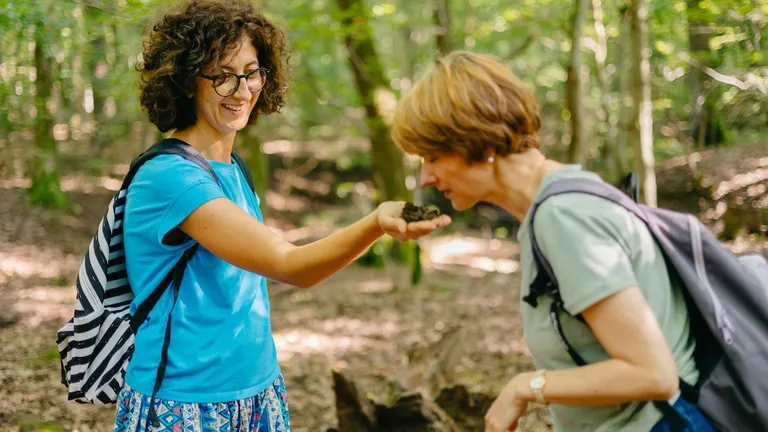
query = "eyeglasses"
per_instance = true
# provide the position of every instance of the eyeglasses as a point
(226, 84)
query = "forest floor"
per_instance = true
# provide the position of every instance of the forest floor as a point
(361, 320)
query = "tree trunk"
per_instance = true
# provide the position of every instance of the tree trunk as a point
(641, 133)
(249, 144)
(706, 124)
(613, 152)
(575, 87)
(422, 395)
(98, 66)
(45, 189)
(386, 159)
(442, 21)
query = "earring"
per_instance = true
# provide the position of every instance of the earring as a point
(491, 159)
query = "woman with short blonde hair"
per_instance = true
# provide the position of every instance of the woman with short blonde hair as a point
(476, 126)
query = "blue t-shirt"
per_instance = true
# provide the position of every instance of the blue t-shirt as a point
(221, 340)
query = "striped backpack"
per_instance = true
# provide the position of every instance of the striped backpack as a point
(96, 344)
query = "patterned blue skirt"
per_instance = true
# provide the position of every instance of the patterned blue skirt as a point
(265, 412)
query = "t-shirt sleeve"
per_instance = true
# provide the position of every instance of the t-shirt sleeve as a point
(166, 190)
(585, 240)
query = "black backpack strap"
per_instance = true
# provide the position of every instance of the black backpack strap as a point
(177, 273)
(168, 146)
(244, 168)
(545, 282)
(631, 186)
(174, 277)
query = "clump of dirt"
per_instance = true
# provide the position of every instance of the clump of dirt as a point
(413, 213)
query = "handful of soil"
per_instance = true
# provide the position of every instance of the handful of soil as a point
(414, 213)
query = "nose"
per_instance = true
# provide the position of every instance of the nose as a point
(427, 178)
(243, 91)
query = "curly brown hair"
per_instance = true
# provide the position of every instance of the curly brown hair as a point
(196, 37)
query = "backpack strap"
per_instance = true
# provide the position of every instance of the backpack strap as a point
(545, 282)
(168, 146)
(174, 277)
(244, 168)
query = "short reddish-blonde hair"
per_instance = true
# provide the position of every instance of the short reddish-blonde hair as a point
(467, 105)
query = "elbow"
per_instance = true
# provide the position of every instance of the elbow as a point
(296, 279)
(289, 273)
(664, 383)
(302, 283)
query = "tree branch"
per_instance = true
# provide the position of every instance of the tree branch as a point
(717, 76)
(524, 46)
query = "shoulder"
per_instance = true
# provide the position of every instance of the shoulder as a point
(579, 206)
(165, 178)
(169, 167)
(583, 217)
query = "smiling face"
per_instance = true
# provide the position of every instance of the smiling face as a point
(463, 183)
(229, 114)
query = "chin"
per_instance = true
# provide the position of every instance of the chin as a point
(461, 205)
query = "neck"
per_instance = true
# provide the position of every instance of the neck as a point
(518, 179)
(209, 142)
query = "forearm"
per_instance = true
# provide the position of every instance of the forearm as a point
(606, 383)
(309, 264)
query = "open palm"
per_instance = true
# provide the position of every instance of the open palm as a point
(391, 222)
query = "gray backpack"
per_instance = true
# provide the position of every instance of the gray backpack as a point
(727, 297)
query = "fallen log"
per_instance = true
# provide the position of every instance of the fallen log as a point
(423, 398)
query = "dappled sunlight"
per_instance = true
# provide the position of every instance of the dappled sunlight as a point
(380, 328)
(31, 261)
(323, 149)
(302, 342)
(492, 255)
(42, 283)
(374, 286)
(39, 304)
(292, 204)
(70, 183)
(302, 234)
(747, 179)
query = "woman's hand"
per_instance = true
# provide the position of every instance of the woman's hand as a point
(388, 216)
(508, 406)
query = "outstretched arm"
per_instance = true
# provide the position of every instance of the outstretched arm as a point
(236, 237)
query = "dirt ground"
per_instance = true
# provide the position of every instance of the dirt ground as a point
(361, 320)
(355, 321)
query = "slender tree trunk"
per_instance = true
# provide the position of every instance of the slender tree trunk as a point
(641, 133)
(45, 189)
(612, 152)
(442, 21)
(706, 126)
(98, 66)
(575, 87)
(386, 159)
(250, 144)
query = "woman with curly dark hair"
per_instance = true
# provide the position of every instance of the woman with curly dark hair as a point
(209, 69)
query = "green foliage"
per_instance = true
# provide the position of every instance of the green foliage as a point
(96, 44)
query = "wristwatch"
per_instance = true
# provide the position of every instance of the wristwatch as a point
(537, 385)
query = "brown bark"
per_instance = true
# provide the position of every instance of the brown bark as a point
(575, 87)
(422, 399)
(706, 126)
(45, 188)
(442, 21)
(386, 158)
(613, 152)
(641, 133)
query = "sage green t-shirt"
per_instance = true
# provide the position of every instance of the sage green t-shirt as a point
(596, 249)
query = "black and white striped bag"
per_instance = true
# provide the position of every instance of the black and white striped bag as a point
(96, 344)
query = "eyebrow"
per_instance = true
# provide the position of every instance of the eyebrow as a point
(227, 68)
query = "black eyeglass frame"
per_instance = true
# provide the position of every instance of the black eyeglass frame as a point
(239, 80)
